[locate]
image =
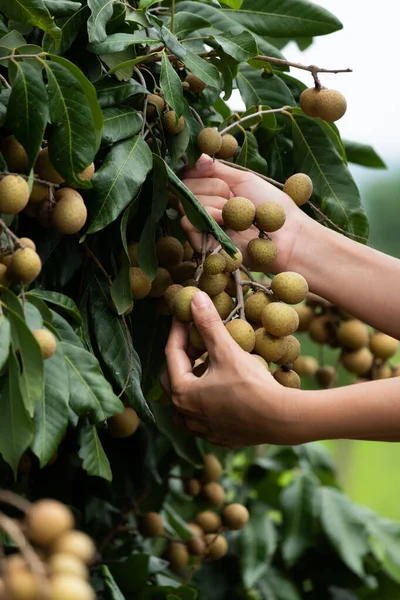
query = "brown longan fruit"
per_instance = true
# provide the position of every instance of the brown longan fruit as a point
(26, 265)
(14, 194)
(47, 520)
(279, 319)
(45, 169)
(299, 187)
(353, 334)
(326, 376)
(196, 529)
(269, 347)
(382, 372)
(306, 315)
(235, 516)
(196, 546)
(214, 264)
(183, 304)
(209, 141)
(76, 543)
(70, 587)
(192, 487)
(183, 272)
(173, 125)
(69, 213)
(243, 334)
(140, 283)
(160, 283)
(228, 148)
(262, 253)
(213, 284)
(290, 287)
(170, 295)
(151, 525)
(212, 469)
(22, 586)
(15, 155)
(255, 304)
(292, 351)
(232, 263)
(67, 564)
(86, 175)
(178, 556)
(208, 520)
(270, 216)
(39, 193)
(238, 213)
(124, 424)
(195, 339)
(188, 252)
(287, 378)
(383, 346)
(133, 253)
(330, 105)
(358, 362)
(305, 365)
(155, 104)
(319, 329)
(169, 252)
(195, 83)
(224, 305)
(213, 494)
(307, 102)
(217, 546)
(46, 341)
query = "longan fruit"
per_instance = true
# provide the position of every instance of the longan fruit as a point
(353, 334)
(188, 252)
(192, 487)
(232, 263)
(382, 372)
(262, 253)
(70, 587)
(67, 564)
(133, 253)
(160, 283)
(173, 125)
(69, 214)
(183, 304)
(319, 329)
(209, 141)
(151, 525)
(290, 287)
(170, 295)
(178, 556)
(169, 252)
(213, 284)
(39, 193)
(307, 102)
(208, 520)
(330, 105)
(86, 175)
(238, 213)
(292, 351)
(195, 83)
(195, 339)
(213, 494)
(279, 319)
(243, 334)
(299, 187)
(183, 272)
(228, 148)
(269, 347)
(231, 284)
(224, 305)
(383, 346)
(195, 529)
(196, 546)
(22, 586)
(76, 543)
(214, 264)
(45, 169)
(27, 242)
(140, 283)
(217, 546)
(358, 362)
(47, 520)
(270, 216)
(306, 315)
(15, 155)
(261, 360)
(305, 365)
(124, 424)
(155, 104)
(212, 469)
(255, 304)
(235, 516)
(46, 341)
(287, 378)
(4, 279)
(14, 194)
(326, 376)
(26, 265)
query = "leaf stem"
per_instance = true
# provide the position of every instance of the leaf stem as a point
(172, 24)
(10, 235)
(239, 294)
(260, 112)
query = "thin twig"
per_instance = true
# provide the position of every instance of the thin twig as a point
(239, 293)
(200, 268)
(233, 312)
(256, 114)
(7, 497)
(248, 273)
(313, 69)
(196, 114)
(5, 82)
(97, 262)
(10, 235)
(241, 168)
(258, 286)
(35, 179)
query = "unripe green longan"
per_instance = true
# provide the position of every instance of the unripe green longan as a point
(287, 378)
(124, 424)
(26, 265)
(195, 83)
(45, 169)
(217, 546)
(15, 155)
(140, 283)
(262, 253)
(307, 102)
(173, 125)
(196, 340)
(243, 334)
(213, 284)
(183, 304)
(212, 469)
(14, 194)
(213, 494)
(151, 525)
(353, 334)
(229, 147)
(238, 213)
(214, 264)
(270, 348)
(224, 305)
(169, 252)
(290, 287)
(209, 141)
(383, 346)
(47, 520)
(46, 341)
(279, 319)
(235, 516)
(330, 105)
(292, 351)
(270, 216)
(255, 304)
(299, 187)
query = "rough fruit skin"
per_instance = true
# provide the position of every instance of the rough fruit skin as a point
(124, 424)
(212, 469)
(45, 169)
(232, 263)
(213, 284)
(170, 295)
(27, 242)
(307, 102)
(188, 252)
(358, 362)
(69, 587)
(299, 187)
(353, 334)
(183, 304)
(224, 305)
(140, 283)
(76, 543)
(228, 148)
(151, 525)
(178, 556)
(192, 487)
(243, 334)
(173, 126)
(209, 141)
(326, 376)
(217, 546)
(305, 365)
(279, 319)
(26, 265)
(88, 173)
(39, 193)
(238, 213)
(383, 346)
(290, 287)
(70, 213)
(213, 494)
(330, 105)
(231, 284)
(15, 155)
(262, 253)
(196, 85)
(196, 340)
(292, 351)
(160, 283)
(169, 252)
(235, 516)
(214, 264)
(270, 216)
(288, 379)
(47, 520)
(154, 102)
(254, 305)
(46, 341)
(268, 347)
(14, 194)
(208, 520)
(306, 315)
(186, 270)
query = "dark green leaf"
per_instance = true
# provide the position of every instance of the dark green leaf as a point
(51, 414)
(64, 330)
(384, 540)
(241, 46)
(62, 8)
(171, 86)
(257, 544)
(118, 180)
(102, 11)
(186, 22)
(121, 291)
(250, 157)
(91, 394)
(70, 27)
(255, 89)
(95, 461)
(60, 300)
(33, 317)
(112, 587)
(5, 340)
(117, 42)
(363, 154)
(178, 525)
(122, 573)
(28, 109)
(33, 12)
(120, 123)
(279, 585)
(177, 145)
(41, 307)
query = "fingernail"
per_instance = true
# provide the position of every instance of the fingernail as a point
(201, 300)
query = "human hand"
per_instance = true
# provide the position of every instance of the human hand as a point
(214, 183)
(236, 402)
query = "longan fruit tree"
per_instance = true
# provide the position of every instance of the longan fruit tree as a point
(102, 105)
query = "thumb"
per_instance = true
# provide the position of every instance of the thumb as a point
(210, 326)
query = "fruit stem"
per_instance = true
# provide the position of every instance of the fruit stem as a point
(200, 269)
(96, 262)
(241, 168)
(248, 273)
(312, 68)
(27, 177)
(239, 294)
(5, 82)
(256, 114)
(10, 235)
(198, 117)
(259, 286)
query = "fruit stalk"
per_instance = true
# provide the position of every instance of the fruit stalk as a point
(239, 294)
(204, 239)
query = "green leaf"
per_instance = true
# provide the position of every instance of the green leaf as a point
(384, 540)
(33, 12)
(33, 317)
(70, 27)
(72, 135)
(5, 340)
(255, 89)
(16, 427)
(118, 180)
(117, 42)
(120, 123)
(12, 40)
(344, 528)
(28, 109)
(102, 11)
(186, 22)
(122, 572)
(241, 46)
(51, 414)
(257, 544)
(250, 157)
(64, 330)
(334, 187)
(111, 92)
(114, 591)
(177, 145)
(297, 501)
(235, 4)
(171, 86)
(91, 394)
(178, 525)
(363, 154)
(121, 291)
(62, 8)
(276, 585)
(60, 300)
(95, 461)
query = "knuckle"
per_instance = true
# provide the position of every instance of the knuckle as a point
(220, 188)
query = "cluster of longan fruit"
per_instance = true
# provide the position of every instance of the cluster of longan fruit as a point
(64, 554)
(364, 352)
(208, 541)
(63, 210)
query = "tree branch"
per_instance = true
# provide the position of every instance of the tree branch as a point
(241, 168)
(247, 117)
(313, 69)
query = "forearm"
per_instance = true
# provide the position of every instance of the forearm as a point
(355, 277)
